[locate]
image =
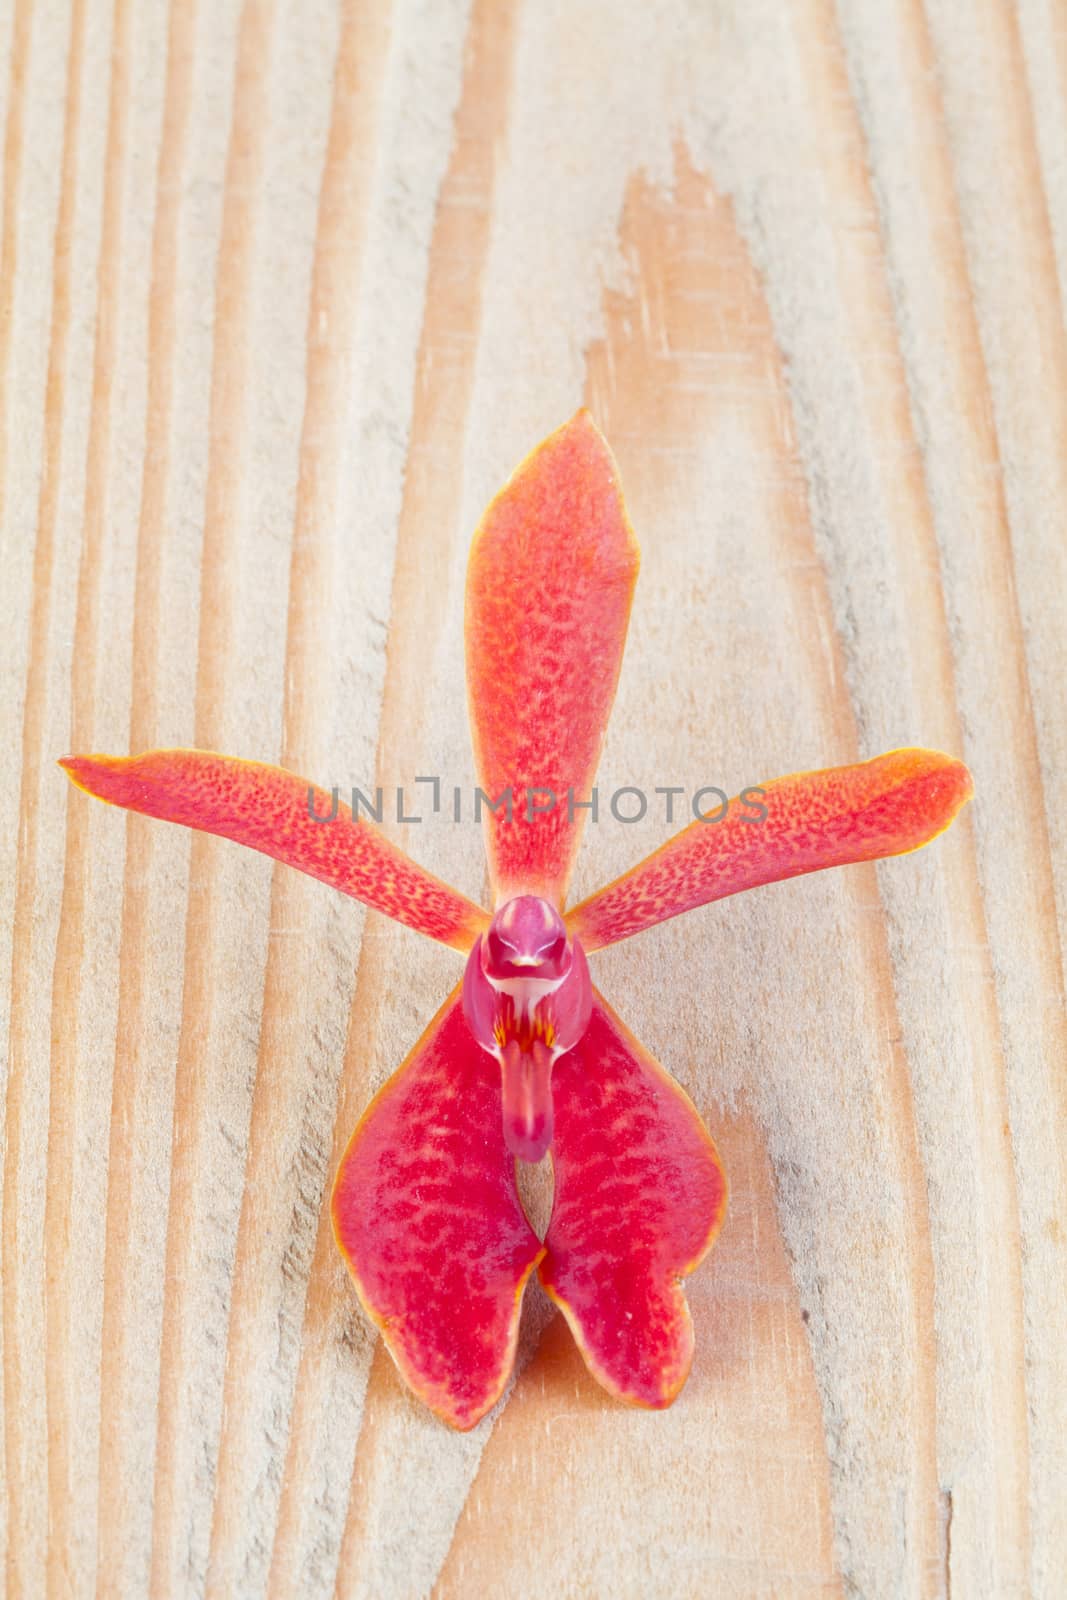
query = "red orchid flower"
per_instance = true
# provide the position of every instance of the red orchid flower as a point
(525, 1055)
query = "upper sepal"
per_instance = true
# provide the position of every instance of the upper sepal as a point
(550, 581)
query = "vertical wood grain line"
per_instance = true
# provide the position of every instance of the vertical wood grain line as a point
(344, 200)
(1003, 589)
(116, 1489)
(433, 483)
(1021, 104)
(1045, 298)
(826, 670)
(1043, 290)
(9, 219)
(868, 296)
(9, 256)
(227, 452)
(1058, 29)
(1015, 683)
(61, 1311)
(1045, 303)
(19, 1382)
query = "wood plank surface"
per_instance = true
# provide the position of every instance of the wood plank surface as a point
(286, 290)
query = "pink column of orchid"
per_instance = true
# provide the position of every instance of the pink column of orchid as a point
(525, 1055)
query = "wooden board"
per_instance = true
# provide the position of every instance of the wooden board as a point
(285, 293)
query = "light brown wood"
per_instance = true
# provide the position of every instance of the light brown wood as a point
(285, 293)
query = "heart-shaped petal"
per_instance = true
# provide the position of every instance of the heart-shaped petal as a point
(549, 585)
(885, 807)
(285, 817)
(640, 1196)
(427, 1216)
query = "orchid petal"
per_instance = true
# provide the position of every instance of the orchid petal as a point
(640, 1195)
(811, 820)
(549, 585)
(271, 810)
(426, 1214)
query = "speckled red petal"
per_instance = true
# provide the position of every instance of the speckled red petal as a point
(640, 1195)
(426, 1214)
(885, 807)
(269, 810)
(549, 585)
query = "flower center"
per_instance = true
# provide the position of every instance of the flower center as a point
(527, 998)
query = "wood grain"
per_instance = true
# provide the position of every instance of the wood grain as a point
(285, 293)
